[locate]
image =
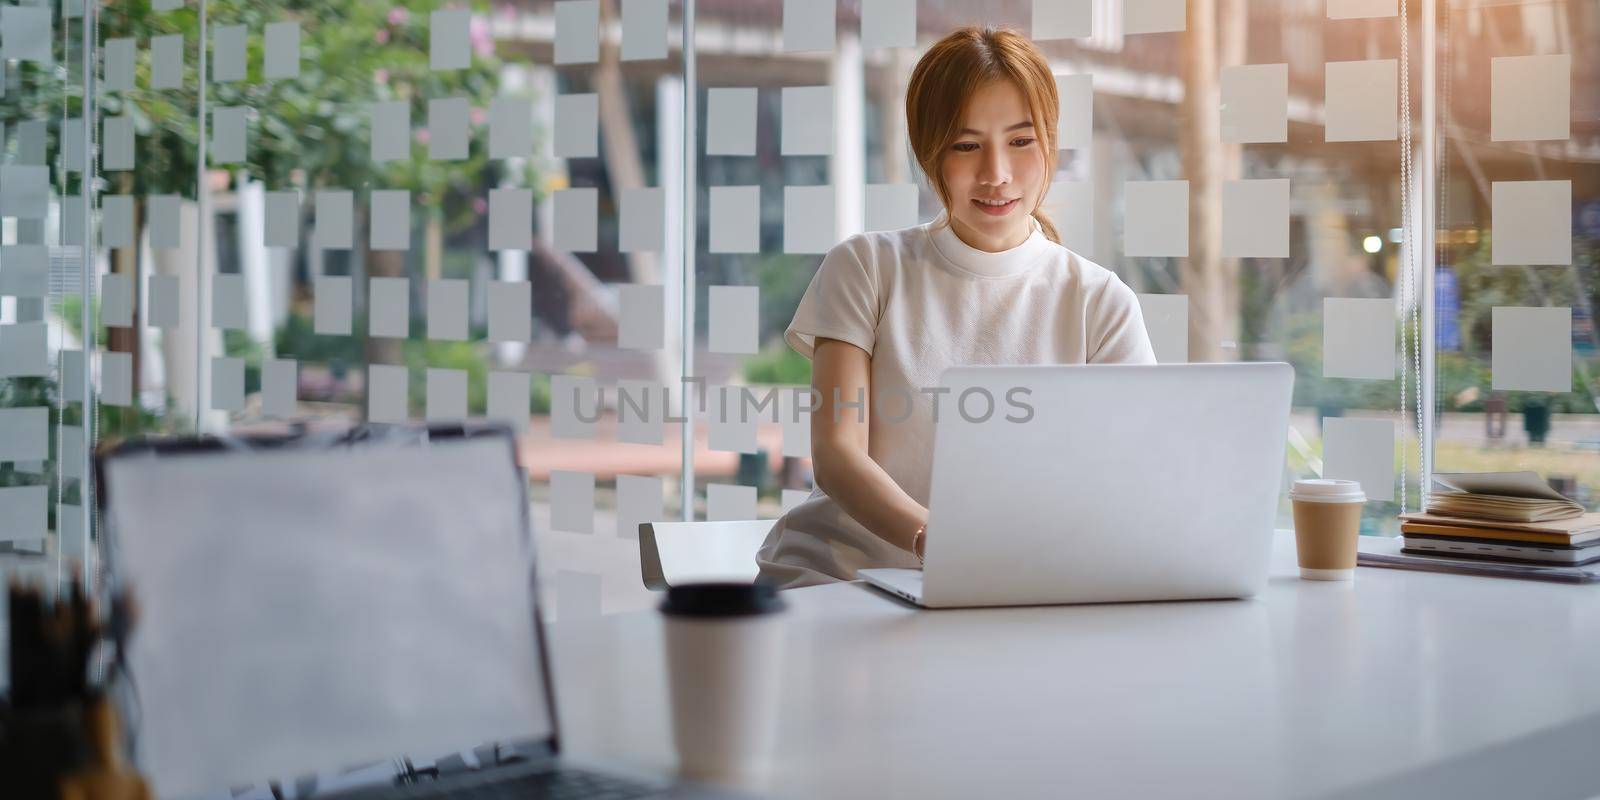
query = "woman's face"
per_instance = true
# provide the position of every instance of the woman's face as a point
(994, 170)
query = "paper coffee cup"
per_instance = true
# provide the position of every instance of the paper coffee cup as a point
(724, 657)
(1327, 524)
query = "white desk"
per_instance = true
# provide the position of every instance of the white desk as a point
(1404, 684)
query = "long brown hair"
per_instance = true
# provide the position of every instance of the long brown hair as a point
(947, 76)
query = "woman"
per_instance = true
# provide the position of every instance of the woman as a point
(988, 282)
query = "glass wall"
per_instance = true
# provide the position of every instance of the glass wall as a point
(314, 215)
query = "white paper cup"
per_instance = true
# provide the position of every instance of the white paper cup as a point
(724, 655)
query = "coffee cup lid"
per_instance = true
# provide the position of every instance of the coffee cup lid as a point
(1328, 490)
(721, 600)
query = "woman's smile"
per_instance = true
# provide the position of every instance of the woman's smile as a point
(996, 208)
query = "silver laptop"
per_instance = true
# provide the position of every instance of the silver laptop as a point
(351, 615)
(1124, 483)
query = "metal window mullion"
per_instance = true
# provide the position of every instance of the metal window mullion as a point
(690, 226)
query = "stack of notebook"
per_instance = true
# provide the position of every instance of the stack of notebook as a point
(1505, 517)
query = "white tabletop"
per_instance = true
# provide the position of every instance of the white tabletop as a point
(1397, 684)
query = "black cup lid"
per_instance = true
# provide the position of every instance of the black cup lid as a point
(721, 600)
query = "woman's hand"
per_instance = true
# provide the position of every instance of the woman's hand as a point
(839, 437)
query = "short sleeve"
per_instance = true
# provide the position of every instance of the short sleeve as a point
(841, 302)
(1123, 338)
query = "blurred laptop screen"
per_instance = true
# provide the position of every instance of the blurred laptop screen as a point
(306, 610)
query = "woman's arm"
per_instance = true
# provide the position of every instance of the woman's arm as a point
(839, 457)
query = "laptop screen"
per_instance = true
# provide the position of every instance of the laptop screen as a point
(304, 611)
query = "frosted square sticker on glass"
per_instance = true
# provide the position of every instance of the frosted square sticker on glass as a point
(1154, 16)
(391, 219)
(331, 296)
(1532, 222)
(165, 302)
(1156, 222)
(282, 46)
(574, 406)
(641, 412)
(391, 131)
(25, 192)
(1075, 111)
(571, 501)
(639, 500)
(386, 393)
(1166, 320)
(891, 206)
(808, 219)
(1062, 19)
(24, 270)
(1255, 103)
(888, 23)
(510, 219)
(23, 350)
(577, 219)
(577, 31)
(730, 421)
(25, 433)
(447, 309)
(283, 219)
(446, 395)
(72, 451)
(448, 120)
(449, 40)
(509, 395)
(166, 61)
(227, 384)
(510, 127)
(116, 220)
(808, 25)
(72, 147)
(1360, 449)
(794, 497)
(726, 502)
(280, 378)
(731, 122)
(118, 70)
(1532, 349)
(72, 369)
(26, 511)
(1530, 98)
(165, 233)
(1255, 218)
(72, 210)
(735, 219)
(1358, 338)
(643, 220)
(577, 126)
(642, 312)
(335, 210)
(25, 34)
(117, 141)
(31, 137)
(228, 134)
(227, 301)
(389, 307)
(116, 378)
(1362, 9)
(510, 311)
(733, 319)
(116, 300)
(1071, 205)
(644, 30)
(807, 121)
(228, 51)
(1363, 100)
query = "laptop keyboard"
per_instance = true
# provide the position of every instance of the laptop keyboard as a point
(558, 784)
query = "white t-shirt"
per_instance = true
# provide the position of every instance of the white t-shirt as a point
(920, 300)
